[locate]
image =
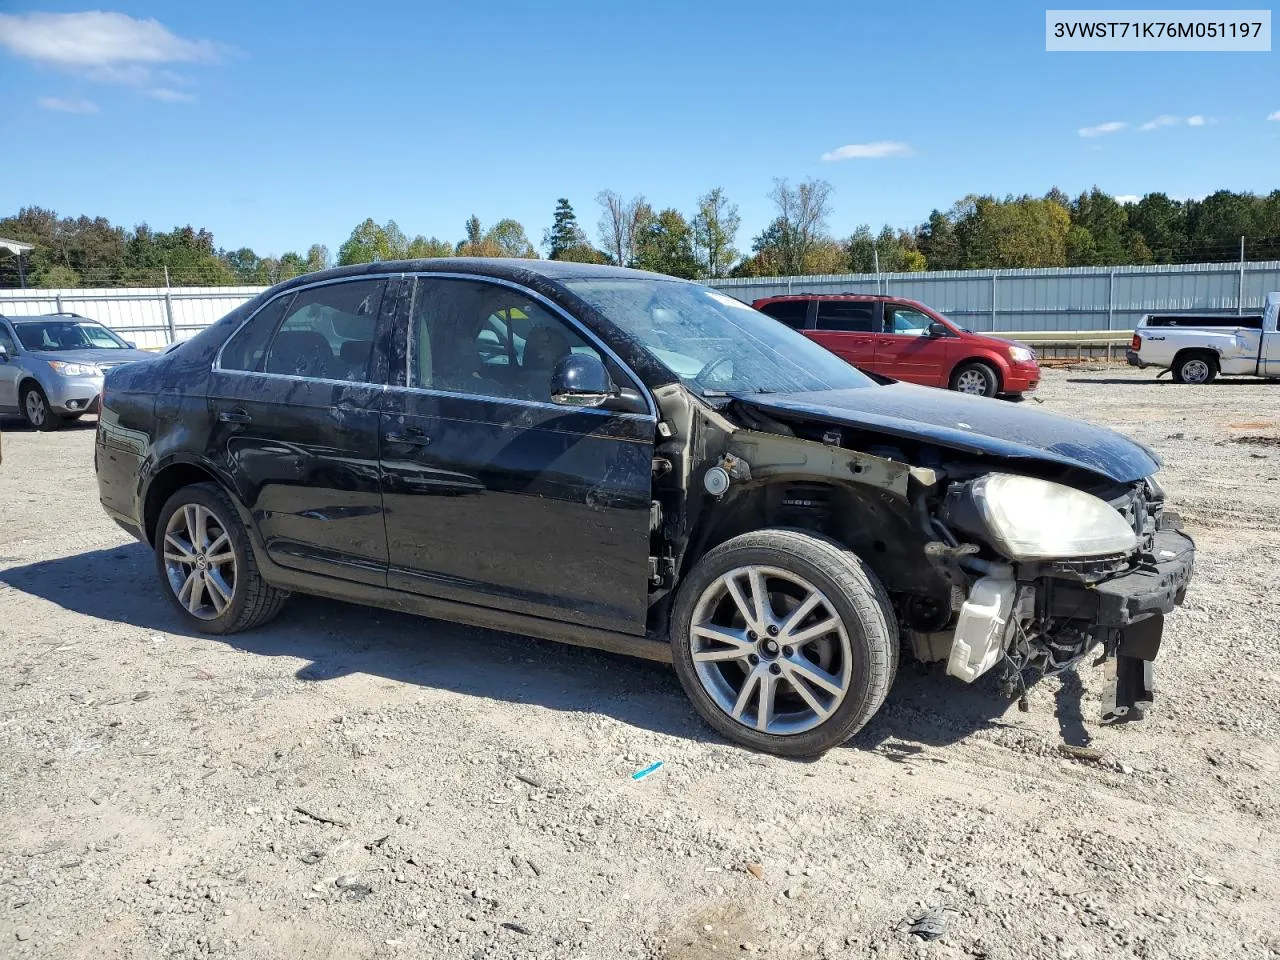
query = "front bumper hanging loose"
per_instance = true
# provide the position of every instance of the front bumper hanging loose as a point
(1136, 604)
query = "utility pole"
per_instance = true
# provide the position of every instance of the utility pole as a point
(875, 255)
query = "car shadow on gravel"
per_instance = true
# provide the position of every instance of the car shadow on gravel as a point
(1165, 382)
(337, 639)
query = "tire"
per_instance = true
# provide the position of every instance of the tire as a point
(227, 596)
(975, 378)
(35, 408)
(1195, 368)
(854, 661)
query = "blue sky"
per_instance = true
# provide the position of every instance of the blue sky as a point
(280, 124)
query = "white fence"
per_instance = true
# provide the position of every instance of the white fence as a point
(1041, 306)
(148, 316)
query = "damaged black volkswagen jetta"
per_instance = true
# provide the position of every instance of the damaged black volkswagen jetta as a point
(621, 460)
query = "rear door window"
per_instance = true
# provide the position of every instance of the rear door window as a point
(793, 313)
(328, 332)
(247, 347)
(846, 316)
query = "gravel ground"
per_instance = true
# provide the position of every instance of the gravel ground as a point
(349, 783)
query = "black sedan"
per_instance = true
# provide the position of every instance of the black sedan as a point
(617, 459)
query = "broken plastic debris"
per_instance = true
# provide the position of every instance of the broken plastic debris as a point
(933, 924)
(652, 768)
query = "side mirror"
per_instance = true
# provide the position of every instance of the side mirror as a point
(580, 380)
(938, 329)
(131, 345)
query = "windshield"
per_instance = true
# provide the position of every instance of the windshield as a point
(67, 335)
(713, 343)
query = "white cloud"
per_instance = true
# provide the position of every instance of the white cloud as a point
(1196, 121)
(97, 37)
(1112, 126)
(170, 96)
(1126, 198)
(68, 106)
(1274, 116)
(869, 151)
(1164, 120)
(106, 47)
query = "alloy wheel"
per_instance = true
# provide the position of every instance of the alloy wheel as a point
(971, 381)
(199, 561)
(770, 650)
(37, 410)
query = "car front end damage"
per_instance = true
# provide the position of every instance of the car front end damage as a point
(1034, 613)
(1011, 563)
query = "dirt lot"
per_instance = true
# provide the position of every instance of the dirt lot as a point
(469, 794)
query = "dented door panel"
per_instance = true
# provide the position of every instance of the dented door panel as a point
(528, 507)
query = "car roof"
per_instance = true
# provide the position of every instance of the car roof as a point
(518, 270)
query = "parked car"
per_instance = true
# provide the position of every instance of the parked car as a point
(906, 340)
(612, 458)
(1196, 348)
(51, 367)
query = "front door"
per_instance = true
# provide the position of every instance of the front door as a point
(10, 373)
(906, 351)
(496, 496)
(295, 423)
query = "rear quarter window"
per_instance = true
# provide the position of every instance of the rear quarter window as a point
(790, 312)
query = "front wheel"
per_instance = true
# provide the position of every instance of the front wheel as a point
(35, 408)
(975, 378)
(207, 565)
(784, 641)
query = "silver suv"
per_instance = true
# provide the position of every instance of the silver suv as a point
(51, 367)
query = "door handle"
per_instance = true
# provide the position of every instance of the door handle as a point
(234, 416)
(412, 436)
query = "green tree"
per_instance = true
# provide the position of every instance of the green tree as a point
(370, 242)
(715, 229)
(1107, 223)
(1081, 250)
(422, 248)
(508, 239)
(565, 234)
(665, 245)
(317, 257)
(860, 250)
(1162, 225)
(936, 240)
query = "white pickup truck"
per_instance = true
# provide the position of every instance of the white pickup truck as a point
(1198, 348)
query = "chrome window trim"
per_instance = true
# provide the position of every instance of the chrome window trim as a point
(587, 334)
(573, 322)
(217, 357)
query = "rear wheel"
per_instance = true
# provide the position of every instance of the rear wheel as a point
(975, 378)
(35, 408)
(784, 641)
(207, 565)
(1195, 368)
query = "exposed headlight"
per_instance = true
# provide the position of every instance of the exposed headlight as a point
(1030, 519)
(1021, 355)
(64, 369)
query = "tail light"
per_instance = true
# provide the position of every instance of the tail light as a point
(1136, 343)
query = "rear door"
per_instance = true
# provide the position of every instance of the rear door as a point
(495, 495)
(847, 328)
(295, 424)
(906, 351)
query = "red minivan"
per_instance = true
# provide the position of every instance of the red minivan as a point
(906, 340)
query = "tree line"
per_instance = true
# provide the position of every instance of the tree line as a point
(977, 232)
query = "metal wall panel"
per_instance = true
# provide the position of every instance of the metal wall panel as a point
(1079, 298)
